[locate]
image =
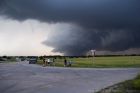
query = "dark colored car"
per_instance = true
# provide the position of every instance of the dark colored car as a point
(32, 60)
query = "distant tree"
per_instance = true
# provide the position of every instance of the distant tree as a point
(9, 57)
(4, 56)
(41, 57)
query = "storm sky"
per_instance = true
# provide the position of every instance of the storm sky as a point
(70, 27)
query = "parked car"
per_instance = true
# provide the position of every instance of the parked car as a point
(3, 59)
(32, 60)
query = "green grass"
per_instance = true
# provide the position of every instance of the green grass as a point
(101, 62)
(11, 60)
(129, 86)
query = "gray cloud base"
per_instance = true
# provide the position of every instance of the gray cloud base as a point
(101, 24)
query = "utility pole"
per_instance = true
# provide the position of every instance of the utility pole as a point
(93, 54)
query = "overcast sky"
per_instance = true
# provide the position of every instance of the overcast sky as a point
(24, 38)
(69, 27)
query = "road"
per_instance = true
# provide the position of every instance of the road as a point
(29, 78)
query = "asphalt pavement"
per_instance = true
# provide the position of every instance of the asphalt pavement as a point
(22, 77)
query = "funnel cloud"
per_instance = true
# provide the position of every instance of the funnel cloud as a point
(112, 25)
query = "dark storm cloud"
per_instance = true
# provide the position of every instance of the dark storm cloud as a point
(102, 24)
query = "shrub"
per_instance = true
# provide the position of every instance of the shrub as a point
(136, 84)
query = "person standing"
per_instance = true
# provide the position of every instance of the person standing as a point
(53, 61)
(70, 63)
(44, 62)
(65, 63)
(49, 61)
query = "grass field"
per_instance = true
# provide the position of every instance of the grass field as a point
(100, 62)
(128, 86)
